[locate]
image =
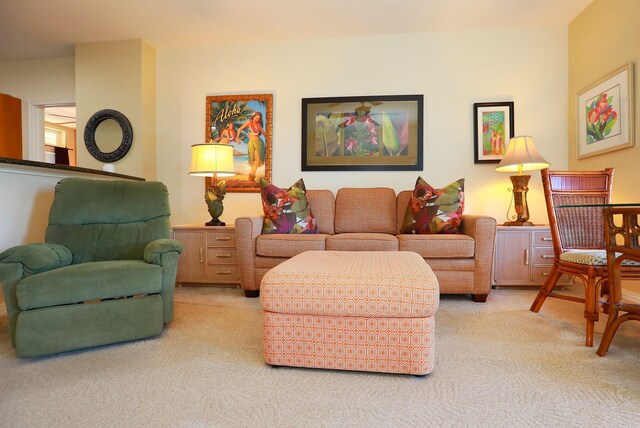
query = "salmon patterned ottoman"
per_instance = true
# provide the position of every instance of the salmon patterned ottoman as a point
(367, 311)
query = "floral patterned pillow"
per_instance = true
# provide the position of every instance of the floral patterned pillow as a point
(434, 210)
(286, 211)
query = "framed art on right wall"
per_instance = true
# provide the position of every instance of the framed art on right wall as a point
(604, 114)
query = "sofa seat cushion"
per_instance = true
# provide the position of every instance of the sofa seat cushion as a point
(438, 246)
(88, 281)
(288, 245)
(362, 242)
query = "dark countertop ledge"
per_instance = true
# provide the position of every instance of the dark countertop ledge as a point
(37, 164)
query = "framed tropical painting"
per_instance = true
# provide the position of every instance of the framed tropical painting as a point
(364, 133)
(605, 114)
(245, 122)
(493, 127)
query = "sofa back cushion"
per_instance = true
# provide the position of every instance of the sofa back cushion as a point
(323, 206)
(402, 201)
(366, 210)
(107, 219)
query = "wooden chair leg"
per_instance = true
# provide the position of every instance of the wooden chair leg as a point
(546, 288)
(610, 330)
(590, 308)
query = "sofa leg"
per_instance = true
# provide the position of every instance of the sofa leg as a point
(479, 298)
(251, 293)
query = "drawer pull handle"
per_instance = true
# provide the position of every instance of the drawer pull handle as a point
(526, 256)
(201, 256)
(545, 273)
(223, 256)
(223, 272)
(546, 239)
(223, 238)
(547, 256)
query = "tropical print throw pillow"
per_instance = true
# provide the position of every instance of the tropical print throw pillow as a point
(433, 210)
(286, 211)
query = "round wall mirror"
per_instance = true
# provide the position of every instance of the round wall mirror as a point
(108, 135)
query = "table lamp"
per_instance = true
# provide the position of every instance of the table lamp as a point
(213, 160)
(521, 156)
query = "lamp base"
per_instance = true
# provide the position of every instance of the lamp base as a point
(517, 223)
(215, 222)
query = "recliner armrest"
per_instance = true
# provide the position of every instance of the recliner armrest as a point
(155, 249)
(36, 258)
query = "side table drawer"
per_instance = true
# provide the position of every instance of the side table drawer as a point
(223, 273)
(542, 239)
(542, 256)
(222, 256)
(221, 239)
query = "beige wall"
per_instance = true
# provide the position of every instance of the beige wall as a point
(605, 36)
(119, 76)
(452, 69)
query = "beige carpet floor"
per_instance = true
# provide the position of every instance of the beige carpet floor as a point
(497, 365)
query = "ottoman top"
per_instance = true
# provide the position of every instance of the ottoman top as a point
(352, 283)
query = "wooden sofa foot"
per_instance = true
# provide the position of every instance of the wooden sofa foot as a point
(251, 293)
(479, 298)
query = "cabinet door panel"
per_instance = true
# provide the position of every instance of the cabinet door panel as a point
(191, 264)
(512, 257)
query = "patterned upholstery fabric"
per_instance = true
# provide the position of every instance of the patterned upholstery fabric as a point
(591, 257)
(433, 210)
(438, 246)
(370, 310)
(286, 211)
(275, 245)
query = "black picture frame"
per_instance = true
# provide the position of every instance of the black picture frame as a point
(363, 133)
(485, 144)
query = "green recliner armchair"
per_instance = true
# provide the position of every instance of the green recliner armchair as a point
(105, 274)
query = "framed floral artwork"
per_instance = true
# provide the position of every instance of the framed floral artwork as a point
(245, 122)
(604, 114)
(493, 127)
(365, 133)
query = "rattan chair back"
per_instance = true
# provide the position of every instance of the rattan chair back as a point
(576, 227)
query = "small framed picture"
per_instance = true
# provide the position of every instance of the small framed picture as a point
(493, 127)
(365, 133)
(604, 114)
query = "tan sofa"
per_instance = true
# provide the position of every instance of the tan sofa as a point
(369, 219)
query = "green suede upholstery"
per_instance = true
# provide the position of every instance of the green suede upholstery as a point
(106, 273)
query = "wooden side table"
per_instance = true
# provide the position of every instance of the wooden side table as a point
(524, 256)
(210, 255)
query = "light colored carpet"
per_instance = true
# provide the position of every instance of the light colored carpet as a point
(497, 364)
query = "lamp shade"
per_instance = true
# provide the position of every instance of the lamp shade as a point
(521, 156)
(210, 159)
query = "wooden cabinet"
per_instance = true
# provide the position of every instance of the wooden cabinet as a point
(10, 127)
(524, 256)
(210, 255)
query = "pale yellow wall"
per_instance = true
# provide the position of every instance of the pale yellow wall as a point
(605, 36)
(452, 69)
(40, 81)
(118, 76)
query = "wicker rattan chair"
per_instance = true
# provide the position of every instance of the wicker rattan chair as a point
(621, 223)
(578, 236)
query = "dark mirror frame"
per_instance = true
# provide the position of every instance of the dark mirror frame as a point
(90, 135)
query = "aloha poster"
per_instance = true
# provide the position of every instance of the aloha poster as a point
(244, 122)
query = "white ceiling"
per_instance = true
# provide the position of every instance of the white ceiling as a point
(49, 28)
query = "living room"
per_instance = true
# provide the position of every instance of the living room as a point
(540, 65)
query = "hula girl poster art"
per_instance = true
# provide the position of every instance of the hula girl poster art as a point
(245, 122)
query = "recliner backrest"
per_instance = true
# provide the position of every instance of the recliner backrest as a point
(108, 219)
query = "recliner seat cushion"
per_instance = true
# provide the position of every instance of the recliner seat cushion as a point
(88, 281)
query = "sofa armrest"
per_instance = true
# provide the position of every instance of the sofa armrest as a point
(155, 249)
(36, 258)
(247, 231)
(483, 230)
